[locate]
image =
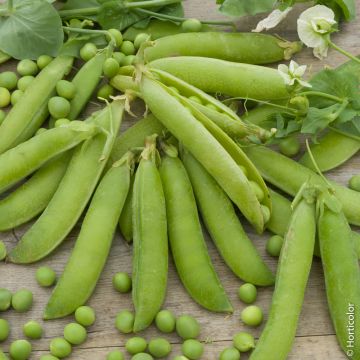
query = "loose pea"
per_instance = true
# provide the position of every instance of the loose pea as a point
(191, 25)
(122, 282)
(252, 315)
(165, 321)
(8, 80)
(60, 348)
(22, 300)
(116, 34)
(110, 67)
(258, 191)
(45, 275)
(354, 182)
(128, 48)
(244, 341)
(85, 315)
(124, 321)
(61, 122)
(43, 61)
(187, 327)
(20, 350)
(105, 92)
(3, 251)
(193, 349)
(247, 293)
(49, 357)
(15, 96)
(115, 355)
(5, 97)
(40, 131)
(129, 60)
(119, 57)
(2, 116)
(24, 82)
(33, 330)
(88, 51)
(5, 299)
(59, 107)
(230, 354)
(195, 99)
(4, 329)
(274, 245)
(159, 347)
(141, 38)
(136, 345)
(27, 67)
(65, 89)
(142, 356)
(75, 333)
(290, 146)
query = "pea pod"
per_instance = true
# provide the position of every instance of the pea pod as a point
(93, 244)
(150, 257)
(31, 110)
(248, 48)
(293, 271)
(125, 220)
(225, 228)
(186, 239)
(4, 57)
(73, 193)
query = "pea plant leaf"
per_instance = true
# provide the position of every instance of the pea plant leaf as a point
(238, 8)
(32, 28)
(79, 4)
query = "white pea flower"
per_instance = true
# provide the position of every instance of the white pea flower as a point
(293, 73)
(272, 20)
(314, 26)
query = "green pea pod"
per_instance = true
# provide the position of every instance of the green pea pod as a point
(342, 278)
(251, 48)
(23, 119)
(209, 151)
(225, 228)
(4, 57)
(187, 241)
(92, 246)
(25, 158)
(292, 275)
(73, 193)
(125, 220)
(39, 189)
(150, 257)
(225, 77)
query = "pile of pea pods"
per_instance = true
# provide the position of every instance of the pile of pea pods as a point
(191, 158)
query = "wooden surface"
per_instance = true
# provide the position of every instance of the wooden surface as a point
(315, 336)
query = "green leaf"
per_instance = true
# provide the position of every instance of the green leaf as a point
(80, 4)
(32, 29)
(73, 45)
(350, 128)
(347, 7)
(238, 8)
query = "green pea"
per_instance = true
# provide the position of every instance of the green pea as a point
(3, 251)
(85, 315)
(247, 293)
(124, 321)
(5, 299)
(195, 99)
(187, 327)
(266, 213)
(61, 122)
(45, 275)
(122, 282)
(60, 348)
(111, 67)
(22, 300)
(75, 333)
(115, 355)
(33, 330)
(24, 82)
(252, 315)
(127, 48)
(65, 89)
(15, 96)
(136, 345)
(191, 25)
(8, 80)
(20, 350)
(2, 116)
(257, 190)
(354, 182)
(193, 349)
(48, 357)
(116, 34)
(244, 341)
(5, 97)
(129, 60)
(88, 51)
(4, 329)
(105, 92)
(159, 347)
(27, 67)
(43, 61)
(142, 356)
(230, 354)
(290, 146)
(119, 57)
(59, 107)
(140, 39)
(274, 245)
(165, 321)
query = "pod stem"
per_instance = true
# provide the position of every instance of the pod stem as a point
(150, 152)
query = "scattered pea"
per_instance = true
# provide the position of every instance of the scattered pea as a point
(247, 293)
(159, 347)
(59, 107)
(290, 146)
(142, 356)
(127, 48)
(2, 116)
(165, 321)
(257, 190)
(191, 25)
(20, 350)
(65, 89)
(85, 315)
(230, 353)
(5, 97)
(15, 96)
(124, 321)
(122, 282)
(33, 330)
(187, 327)
(60, 348)
(49, 357)
(136, 345)
(354, 182)
(75, 333)
(252, 315)
(4, 329)
(24, 82)
(61, 122)
(88, 51)
(105, 92)
(8, 80)
(140, 39)
(5, 299)
(27, 67)
(129, 60)
(193, 349)
(244, 341)
(116, 34)
(111, 67)
(22, 300)
(274, 245)
(43, 61)
(119, 57)
(115, 355)
(45, 275)
(3, 251)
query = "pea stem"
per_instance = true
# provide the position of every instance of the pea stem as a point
(321, 94)
(150, 3)
(79, 12)
(10, 5)
(344, 52)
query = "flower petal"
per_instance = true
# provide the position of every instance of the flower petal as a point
(307, 35)
(320, 11)
(300, 71)
(272, 20)
(304, 83)
(321, 50)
